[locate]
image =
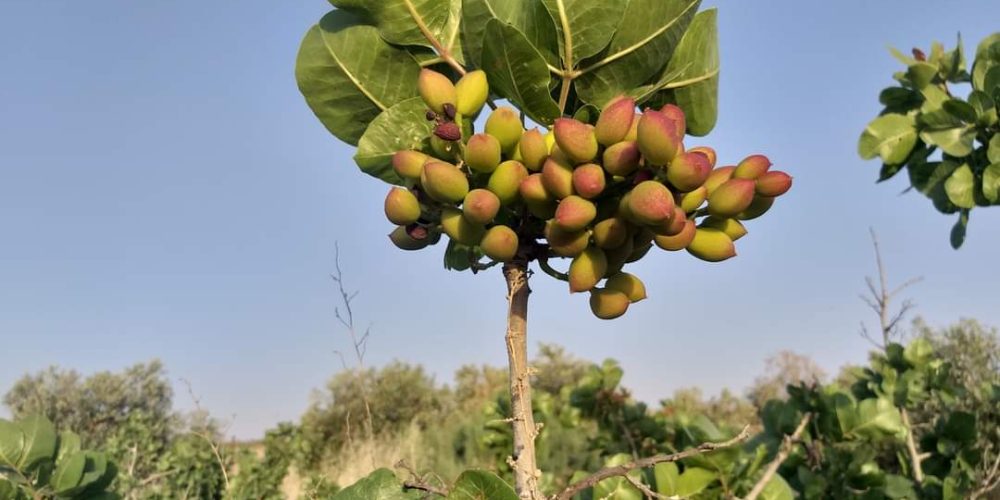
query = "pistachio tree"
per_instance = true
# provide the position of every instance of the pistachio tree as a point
(584, 154)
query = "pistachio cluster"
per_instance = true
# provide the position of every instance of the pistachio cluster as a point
(601, 194)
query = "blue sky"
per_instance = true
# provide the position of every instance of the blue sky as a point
(165, 192)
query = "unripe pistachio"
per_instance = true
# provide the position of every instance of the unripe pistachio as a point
(575, 213)
(732, 227)
(460, 229)
(658, 138)
(711, 245)
(480, 206)
(587, 269)
(760, 205)
(444, 182)
(471, 92)
(402, 239)
(436, 90)
(588, 180)
(444, 150)
(752, 167)
(401, 207)
(608, 304)
(500, 243)
(557, 178)
(622, 158)
(617, 257)
(505, 124)
(731, 198)
(533, 150)
(409, 164)
(610, 233)
(633, 131)
(671, 226)
(717, 178)
(532, 190)
(773, 184)
(691, 201)
(576, 140)
(707, 151)
(688, 171)
(566, 243)
(482, 153)
(506, 180)
(615, 120)
(679, 241)
(629, 284)
(650, 203)
(676, 114)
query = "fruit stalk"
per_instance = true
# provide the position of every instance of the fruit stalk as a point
(526, 473)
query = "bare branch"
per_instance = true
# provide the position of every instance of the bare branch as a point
(786, 449)
(639, 485)
(624, 469)
(418, 482)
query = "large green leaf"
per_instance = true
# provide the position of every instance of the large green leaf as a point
(691, 79)
(987, 57)
(349, 75)
(666, 475)
(891, 136)
(986, 110)
(381, 484)
(587, 24)
(694, 480)
(777, 489)
(481, 485)
(518, 72)
(40, 441)
(899, 487)
(961, 186)
(877, 418)
(69, 473)
(69, 443)
(399, 21)
(993, 153)
(956, 141)
(636, 54)
(11, 443)
(403, 126)
(530, 17)
(991, 182)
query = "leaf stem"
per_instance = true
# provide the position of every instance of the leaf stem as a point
(441, 49)
(567, 76)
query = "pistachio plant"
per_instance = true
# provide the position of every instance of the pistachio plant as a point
(582, 156)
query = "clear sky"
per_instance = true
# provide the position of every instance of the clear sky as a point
(165, 192)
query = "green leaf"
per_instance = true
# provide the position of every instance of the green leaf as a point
(900, 100)
(69, 473)
(11, 443)
(69, 443)
(961, 186)
(993, 154)
(691, 78)
(349, 75)
(877, 418)
(987, 56)
(921, 74)
(899, 487)
(955, 141)
(960, 427)
(518, 72)
(891, 136)
(381, 484)
(457, 257)
(481, 485)
(666, 475)
(958, 231)
(588, 24)
(991, 182)
(530, 18)
(961, 110)
(39, 441)
(694, 480)
(636, 54)
(889, 171)
(777, 489)
(918, 353)
(397, 20)
(7, 490)
(95, 469)
(985, 107)
(402, 126)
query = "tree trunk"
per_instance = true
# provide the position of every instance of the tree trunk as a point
(526, 473)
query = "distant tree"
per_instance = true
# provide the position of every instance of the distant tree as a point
(727, 409)
(781, 370)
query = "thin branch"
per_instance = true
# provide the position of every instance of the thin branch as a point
(205, 437)
(543, 263)
(567, 77)
(639, 485)
(417, 482)
(786, 449)
(624, 469)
